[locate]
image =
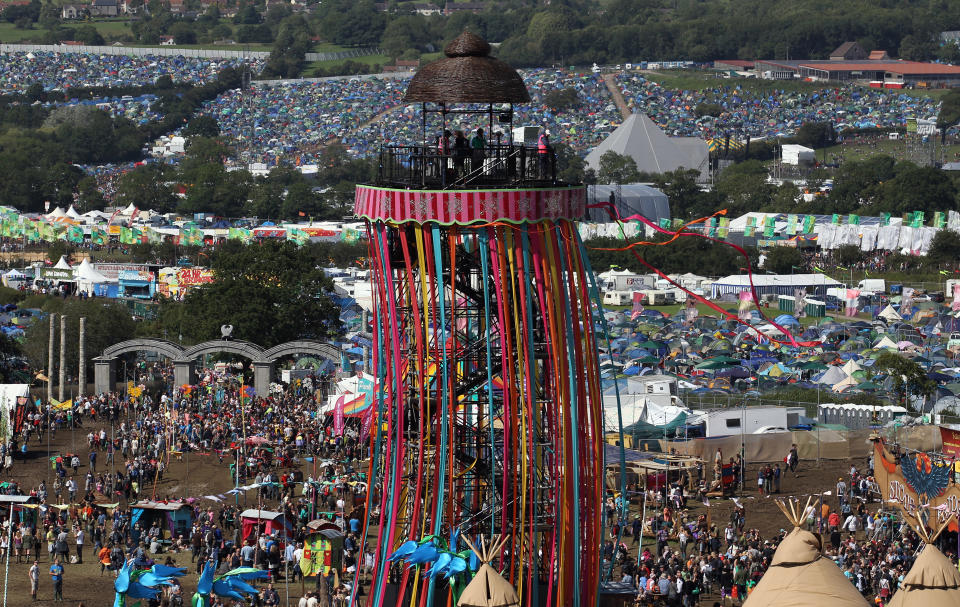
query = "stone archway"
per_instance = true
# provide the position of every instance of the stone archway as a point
(105, 366)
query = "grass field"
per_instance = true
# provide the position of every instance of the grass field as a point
(698, 80)
(896, 149)
(311, 68)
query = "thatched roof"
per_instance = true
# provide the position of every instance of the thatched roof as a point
(933, 581)
(468, 74)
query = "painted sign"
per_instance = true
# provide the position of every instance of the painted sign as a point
(951, 442)
(919, 484)
(135, 276)
(56, 274)
(111, 271)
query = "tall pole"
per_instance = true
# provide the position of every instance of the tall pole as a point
(82, 370)
(6, 568)
(61, 387)
(50, 363)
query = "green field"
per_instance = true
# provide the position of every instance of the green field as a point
(893, 148)
(311, 68)
(698, 80)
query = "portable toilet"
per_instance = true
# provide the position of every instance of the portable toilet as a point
(322, 549)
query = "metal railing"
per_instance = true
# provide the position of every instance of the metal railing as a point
(424, 167)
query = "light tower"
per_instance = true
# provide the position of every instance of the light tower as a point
(489, 407)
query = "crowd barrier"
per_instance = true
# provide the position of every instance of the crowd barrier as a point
(811, 444)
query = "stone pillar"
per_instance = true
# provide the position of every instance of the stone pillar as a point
(366, 359)
(82, 367)
(62, 386)
(104, 375)
(262, 375)
(50, 364)
(182, 373)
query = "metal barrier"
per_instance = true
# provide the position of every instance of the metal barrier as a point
(176, 51)
(492, 166)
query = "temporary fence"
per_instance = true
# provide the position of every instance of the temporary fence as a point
(176, 51)
(811, 444)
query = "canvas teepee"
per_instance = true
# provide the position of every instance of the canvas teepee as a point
(800, 576)
(933, 581)
(488, 588)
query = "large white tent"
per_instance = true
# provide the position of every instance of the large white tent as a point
(639, 138)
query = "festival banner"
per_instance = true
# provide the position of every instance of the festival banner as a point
(724, 230)
(917, 481)
(853, 220)
(917, 220)
(751, 228)
(808, 224)
(884, 219)
(951, 442)
(75, 234)
(792, 225)
(939, 219)
(637, 305)
(98, 236)
(338, 420)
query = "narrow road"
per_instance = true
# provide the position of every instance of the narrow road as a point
(611, 81)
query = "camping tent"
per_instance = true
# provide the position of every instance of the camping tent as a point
(889, 314)
(800, 576)
(885, 342)
(639, 138)
(933, 581)
(254, 522)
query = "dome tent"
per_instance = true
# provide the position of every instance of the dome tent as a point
(488, 588)
(799, 575)
(933, 581)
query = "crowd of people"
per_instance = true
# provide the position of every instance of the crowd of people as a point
(675, 557)
(65, 70)
(290, 462)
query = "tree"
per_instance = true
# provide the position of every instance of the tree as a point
(618, 168)
(271, 293)
(945, 248)
(108, 322)
(816, 134)
(848, 254)
(909, 378)
(145, 188)
(89, 35)
(203, 125)
(783, 260)
(562, 99)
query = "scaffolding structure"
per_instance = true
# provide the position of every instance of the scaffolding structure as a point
(488, 404)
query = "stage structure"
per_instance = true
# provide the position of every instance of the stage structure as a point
(489, 404)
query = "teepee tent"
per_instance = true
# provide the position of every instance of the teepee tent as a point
(933, 581)
(488, 588)
(800, 576)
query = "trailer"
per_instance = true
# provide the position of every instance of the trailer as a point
(745, 420)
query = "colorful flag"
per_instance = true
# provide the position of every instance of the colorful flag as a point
(724, 230)
(791, 224)
(298, 236)
(98, 236)
(853, 220)
(917, 219)
(75, 234)
(338, 421)
(885, 219)
(836, 219)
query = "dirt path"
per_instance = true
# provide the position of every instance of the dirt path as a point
(611, 81)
